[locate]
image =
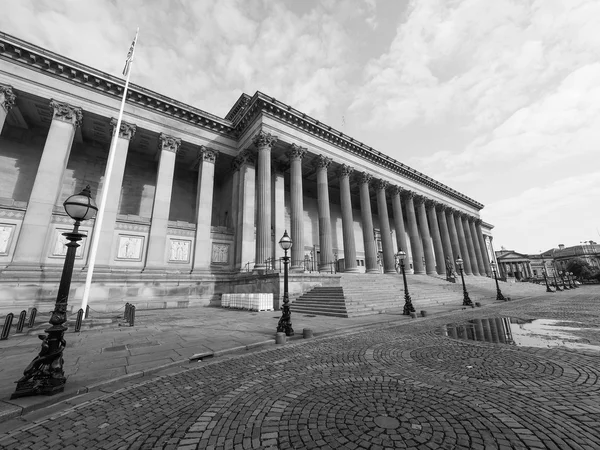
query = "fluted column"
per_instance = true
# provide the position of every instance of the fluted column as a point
(389, 265)
(48, 183)
(464, 252)
(7, 101)
(326, 255)
(107, 227)
(367, 224)
(425, 236)
(347, 220)
(413, 233)
(483, 247)
(235, 206)
(478, 254)
(436, 238)
(469, 242)
(157, 241)
(263, 142)
(204, 200)
(244, 233)
(295, 156)
(444, 233)
(399, 220)
(278, 209)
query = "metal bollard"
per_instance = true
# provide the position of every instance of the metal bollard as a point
(79, 320)
(32, 317)
(6, 327)
(87, 312)
(131, 315)
(126, 313)
(21, 322)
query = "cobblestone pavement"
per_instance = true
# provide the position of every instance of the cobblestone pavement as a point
(398, 386)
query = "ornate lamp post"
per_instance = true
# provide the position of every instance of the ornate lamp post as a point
(572, 280)
(499, 295)
(555, 281)
(408, 306)
(285, 323)
(466, 299)
(45, 375)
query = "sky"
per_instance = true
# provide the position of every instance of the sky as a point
(499, 100)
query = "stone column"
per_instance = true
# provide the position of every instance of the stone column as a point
(483, 247)
(157, 241)
(469, 242)
(246, 210)
(278, 209)
(389, 265)
(478, 254)
(326, 255)
(399, 220)
(367, 224)
(7, 101)
(347, 219)
(454, 242)
(235, 206)
(204, 200)
(48, 184)
(436, 238)
(263, 142)
(464, 252)
(296, 207)
(425, 236)
(444, 233)
(413, 233)
(107, 227)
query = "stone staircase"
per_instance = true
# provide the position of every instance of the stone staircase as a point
(365, 294)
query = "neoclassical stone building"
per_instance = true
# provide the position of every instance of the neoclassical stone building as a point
(198, 202)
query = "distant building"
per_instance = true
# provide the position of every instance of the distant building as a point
(515, 265)
(561, 256)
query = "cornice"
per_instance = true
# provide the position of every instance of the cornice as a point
(56, 66)
(262, 103)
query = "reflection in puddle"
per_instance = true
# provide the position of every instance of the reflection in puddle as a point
(528, 333)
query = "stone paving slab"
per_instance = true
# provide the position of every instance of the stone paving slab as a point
(337, 390)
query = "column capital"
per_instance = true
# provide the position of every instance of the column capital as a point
(441, 207)
(396, 190)
(346, 170)
(418, 199)
(322, 162)
(408, 194)
(263, 139)
(207, 154)
(9, 97)
(478, 221)
(296, 152)
(381, 185)
(66, 113)
(243, 157)
(430, 203)
(365, 177)
(168, 143)
(127, 130)
(471, 218)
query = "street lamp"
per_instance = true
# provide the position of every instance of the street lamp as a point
(45, 374)
(408, 306)
(555, 280)
(466, 300)
(572, 280)
(499, 295)
(285, 324)
(546, 281)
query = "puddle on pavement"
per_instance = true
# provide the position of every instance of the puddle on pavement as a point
(544, 333)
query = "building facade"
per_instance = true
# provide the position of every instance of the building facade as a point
(197, 201)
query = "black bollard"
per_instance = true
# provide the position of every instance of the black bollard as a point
(126, 314)
(131, 315)
(79, 320)
(87, 312)
(32, 317)
(6, 327)
(21, 322)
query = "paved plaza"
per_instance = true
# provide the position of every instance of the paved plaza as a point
(404, 383)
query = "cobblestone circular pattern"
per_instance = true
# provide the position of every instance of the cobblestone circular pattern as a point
(377, 412)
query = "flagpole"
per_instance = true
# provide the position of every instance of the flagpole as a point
(107, 175)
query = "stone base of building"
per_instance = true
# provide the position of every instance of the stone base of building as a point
(111, 290)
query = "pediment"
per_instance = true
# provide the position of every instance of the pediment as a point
(511, 255)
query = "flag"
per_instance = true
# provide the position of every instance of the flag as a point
(129, 57)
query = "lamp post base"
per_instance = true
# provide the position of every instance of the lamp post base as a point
(467, 300)
(408, 306)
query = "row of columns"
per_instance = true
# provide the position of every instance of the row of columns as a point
(523, 267)
(49, 180)
(436, 232)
